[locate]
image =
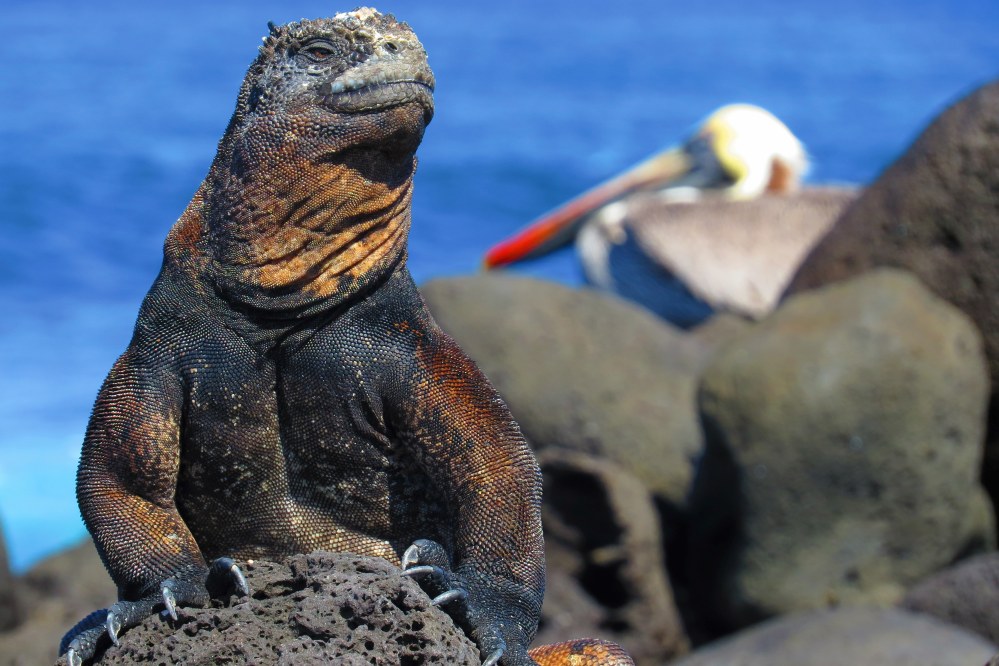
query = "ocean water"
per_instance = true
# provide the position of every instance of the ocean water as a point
(111, 112)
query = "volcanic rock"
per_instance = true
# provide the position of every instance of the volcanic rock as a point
(862, 636)
(312, 609)
(844, 438)
(604, 556)
(935, 212)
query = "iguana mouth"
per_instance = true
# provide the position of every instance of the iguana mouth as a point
(381, 90)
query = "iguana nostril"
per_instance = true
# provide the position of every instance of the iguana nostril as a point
(391, 47)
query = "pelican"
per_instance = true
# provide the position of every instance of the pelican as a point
(716, 223)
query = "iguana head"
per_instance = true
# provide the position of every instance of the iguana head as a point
(360, 78)
(308, 197)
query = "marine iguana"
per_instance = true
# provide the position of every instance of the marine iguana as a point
(286, 390)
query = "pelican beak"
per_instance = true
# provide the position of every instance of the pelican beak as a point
(559, 227)
(739, 152)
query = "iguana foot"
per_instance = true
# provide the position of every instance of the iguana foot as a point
(225, 577)
(435, 571)
(81, 642)
(427, 562)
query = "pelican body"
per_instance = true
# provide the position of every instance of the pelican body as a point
(665, 232)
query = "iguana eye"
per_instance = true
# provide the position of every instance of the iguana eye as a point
(318, 51)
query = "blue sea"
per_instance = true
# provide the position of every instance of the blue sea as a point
(110, 113)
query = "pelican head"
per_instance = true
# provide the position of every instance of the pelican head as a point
(738, 152)
(757, 153)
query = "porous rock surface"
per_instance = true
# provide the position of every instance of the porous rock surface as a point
(316, 609)
(934, 212)
(604, 557)
(861, 636)
(966, 595)
(844, 439)
(582, 370)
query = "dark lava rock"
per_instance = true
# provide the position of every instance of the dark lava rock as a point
(604, 555)
(935, 212)
(859, 636)
(844, 441)
(967, 595)
(320, 608)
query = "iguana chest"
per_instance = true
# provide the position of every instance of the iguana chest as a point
(291, 451)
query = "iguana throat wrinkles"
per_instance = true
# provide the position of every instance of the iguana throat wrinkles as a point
(307, 202)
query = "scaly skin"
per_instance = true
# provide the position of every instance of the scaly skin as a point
(286, 390)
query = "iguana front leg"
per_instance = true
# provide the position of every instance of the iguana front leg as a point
(465, 440)
(462, 596)
(125, 486)
(426, 560)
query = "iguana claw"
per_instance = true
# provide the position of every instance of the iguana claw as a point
(411, 556)
(239, 580)
(113, 623)
(426, 559)
(170, 601)
(225, 573)
(454, 594)
(494, 658)
(72, 658)
(422, 571)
